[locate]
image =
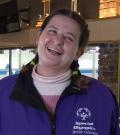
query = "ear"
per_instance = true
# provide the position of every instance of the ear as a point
(37, 38)
(80, 52)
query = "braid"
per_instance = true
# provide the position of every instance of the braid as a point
(75, 69)
(29, 67)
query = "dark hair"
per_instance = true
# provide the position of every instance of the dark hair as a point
(83, 29)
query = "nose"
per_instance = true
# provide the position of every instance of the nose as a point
(59, 39)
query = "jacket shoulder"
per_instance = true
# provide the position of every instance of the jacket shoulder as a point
(6, 84)
(94, 86)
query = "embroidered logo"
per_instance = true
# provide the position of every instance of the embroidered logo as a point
(84, 123)
(83, 113)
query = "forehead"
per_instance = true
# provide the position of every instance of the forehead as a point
(65, 22)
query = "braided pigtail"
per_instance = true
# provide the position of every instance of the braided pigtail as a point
(80, 80)
(29, 67)
(75, 69)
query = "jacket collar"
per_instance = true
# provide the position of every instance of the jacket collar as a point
(24, 91)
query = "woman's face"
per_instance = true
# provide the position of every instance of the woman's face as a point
(58, 43)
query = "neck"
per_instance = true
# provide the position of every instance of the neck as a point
(49, 71)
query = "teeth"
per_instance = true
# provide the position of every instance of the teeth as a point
(54, 50)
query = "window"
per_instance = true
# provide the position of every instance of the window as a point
(14, 59)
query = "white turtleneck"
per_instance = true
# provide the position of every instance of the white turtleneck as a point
(50, 88)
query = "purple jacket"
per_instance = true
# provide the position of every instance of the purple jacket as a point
(87, 111)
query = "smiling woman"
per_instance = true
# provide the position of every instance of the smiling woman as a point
(58, 46)
(51, 84)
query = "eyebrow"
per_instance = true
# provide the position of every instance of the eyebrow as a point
(52, 27)
(66, 32)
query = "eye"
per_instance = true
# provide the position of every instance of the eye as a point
(68, 38)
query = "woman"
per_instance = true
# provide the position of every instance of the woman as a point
(50, 96)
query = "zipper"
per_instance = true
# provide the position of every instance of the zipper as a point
(53, 126)
(53, 118)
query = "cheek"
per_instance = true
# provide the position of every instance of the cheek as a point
(40, 44)
(71, 50)
(40, 47)
(42, 41)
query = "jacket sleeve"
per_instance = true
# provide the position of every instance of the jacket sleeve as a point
(115, 129)
(119, 121)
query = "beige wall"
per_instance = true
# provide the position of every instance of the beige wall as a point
(25, 38)
(104, 29)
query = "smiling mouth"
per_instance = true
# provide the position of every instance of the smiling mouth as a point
(54, 51)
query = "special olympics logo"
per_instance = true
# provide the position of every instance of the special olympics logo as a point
(83, 113)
